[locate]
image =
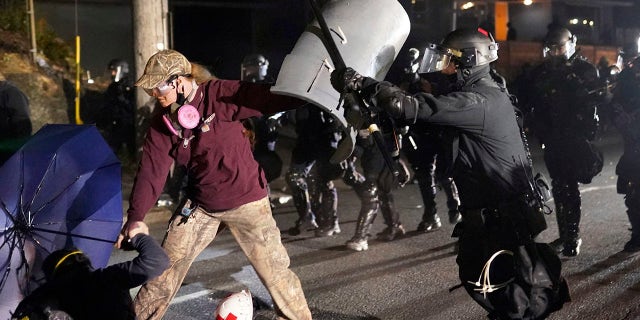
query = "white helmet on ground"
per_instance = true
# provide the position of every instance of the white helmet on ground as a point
(238, 306)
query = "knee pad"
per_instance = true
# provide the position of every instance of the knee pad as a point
(368, 191)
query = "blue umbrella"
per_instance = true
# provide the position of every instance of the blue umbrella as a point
(61, 189)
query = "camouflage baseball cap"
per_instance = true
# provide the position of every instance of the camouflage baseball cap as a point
(161, 66)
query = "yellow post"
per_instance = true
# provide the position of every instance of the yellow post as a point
(78, 119)
(32, 29)
(501, 18)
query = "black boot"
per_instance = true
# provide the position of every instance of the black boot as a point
(427, 184)
(632, 201)
(430, 219)
(392, 232)
(391, 218)
(363, 225)
(368, 212)
(567, 198)
(558, 244)
(453, 200)
(301, 200)
(307, 223)
(429, 224)
(572, 241)
(328, 212)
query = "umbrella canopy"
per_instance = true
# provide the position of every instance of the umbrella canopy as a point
(61, 189)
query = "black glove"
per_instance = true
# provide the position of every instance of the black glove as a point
(394, 101)
(346, 80)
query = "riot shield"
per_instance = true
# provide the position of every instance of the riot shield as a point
(369, 34)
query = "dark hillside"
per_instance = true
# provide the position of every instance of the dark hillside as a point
(43, 83)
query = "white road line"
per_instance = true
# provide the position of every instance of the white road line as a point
(190, 296)
(212, 253)
(589, 189)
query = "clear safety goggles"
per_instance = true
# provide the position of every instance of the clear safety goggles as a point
(437, 58)
(163, 88)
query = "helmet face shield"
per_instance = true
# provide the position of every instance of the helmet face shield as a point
(117, 74)
(467, 48)
(118, 69)
(559, 43)
(254, 67)
(435, 58)
(565, 50)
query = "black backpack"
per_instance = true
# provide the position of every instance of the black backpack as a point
(508, 274)
(41, 305)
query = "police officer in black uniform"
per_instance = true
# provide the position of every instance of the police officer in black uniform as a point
(118, 114)
(422, 147)
(561, 100)
(375, 186)
(311, 174)
(489, 160)
(626, 117)
(263, 131)
(487, 154)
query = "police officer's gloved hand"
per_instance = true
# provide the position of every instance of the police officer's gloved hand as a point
(394, 101)
(346, 80)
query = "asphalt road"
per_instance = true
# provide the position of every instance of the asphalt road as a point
(409, 278)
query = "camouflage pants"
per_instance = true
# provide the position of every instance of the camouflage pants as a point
(255, 230)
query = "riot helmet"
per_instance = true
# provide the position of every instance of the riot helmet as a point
(254, 68)
(119, 69)
(627, 54)
(559, 43)
(412, 61)
(467, 48)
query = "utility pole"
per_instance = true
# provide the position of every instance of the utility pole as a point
(32, 29)
(150, 35)
(454, 17)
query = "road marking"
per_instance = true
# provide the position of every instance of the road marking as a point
(212, 253)
(247, 276)
(589, 189)
(190, 296)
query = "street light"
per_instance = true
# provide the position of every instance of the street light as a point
(467, 5)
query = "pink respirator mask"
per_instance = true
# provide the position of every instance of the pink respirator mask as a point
(186, 117)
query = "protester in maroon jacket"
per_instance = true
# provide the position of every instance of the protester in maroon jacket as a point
(199, 126)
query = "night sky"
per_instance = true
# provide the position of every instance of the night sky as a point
(216, 38)
(220, 37)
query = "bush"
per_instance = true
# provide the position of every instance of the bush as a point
(51, 45)
(13, 17)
